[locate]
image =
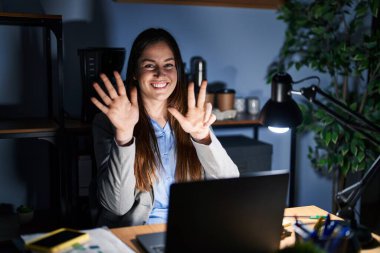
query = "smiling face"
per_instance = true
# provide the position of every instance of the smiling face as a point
(157, 73)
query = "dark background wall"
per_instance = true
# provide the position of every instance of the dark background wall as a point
(237, 43)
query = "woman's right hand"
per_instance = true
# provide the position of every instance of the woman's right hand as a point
(122, 112)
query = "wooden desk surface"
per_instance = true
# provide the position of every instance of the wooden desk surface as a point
(128, 234)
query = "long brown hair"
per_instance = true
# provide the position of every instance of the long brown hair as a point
(188, 166)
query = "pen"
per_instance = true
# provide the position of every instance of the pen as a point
(302, 230)
(326, 226)
(319, 224)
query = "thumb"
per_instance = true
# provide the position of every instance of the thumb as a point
(176, 114)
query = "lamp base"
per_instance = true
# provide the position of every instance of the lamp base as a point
(363, 235)
(361, 232)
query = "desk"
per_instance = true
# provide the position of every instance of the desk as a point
(128, 234)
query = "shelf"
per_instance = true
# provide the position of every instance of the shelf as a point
(28, 19)
(28, 128)
(262, 4)
(241, 119)
(77, 126)
(49, 127)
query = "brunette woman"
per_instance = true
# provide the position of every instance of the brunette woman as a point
(151, 133)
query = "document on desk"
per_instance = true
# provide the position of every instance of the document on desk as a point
(101, 240)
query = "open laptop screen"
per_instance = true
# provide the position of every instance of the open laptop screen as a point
(228, 215)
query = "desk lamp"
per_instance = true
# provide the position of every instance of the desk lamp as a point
(281, 113)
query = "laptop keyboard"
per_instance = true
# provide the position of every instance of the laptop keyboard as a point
(159, 249)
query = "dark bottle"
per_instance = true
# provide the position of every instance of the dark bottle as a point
(198, 71)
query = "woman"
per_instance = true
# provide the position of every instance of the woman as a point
(153, 135)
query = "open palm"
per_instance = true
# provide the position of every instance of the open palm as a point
(122, 112)
(198, 119)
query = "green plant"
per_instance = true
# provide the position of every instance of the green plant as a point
(24, 209)
(340, 39)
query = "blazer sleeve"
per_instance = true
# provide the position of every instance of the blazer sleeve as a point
(215, 160)
(115, 164)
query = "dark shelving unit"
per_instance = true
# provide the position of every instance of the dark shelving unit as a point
(49, 128)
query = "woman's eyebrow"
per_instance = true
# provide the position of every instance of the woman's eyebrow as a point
(150, 60)
(146, 59)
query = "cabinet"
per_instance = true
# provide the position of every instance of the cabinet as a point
(247, 120)
(49, 126)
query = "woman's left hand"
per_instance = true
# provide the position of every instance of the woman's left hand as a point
(199, 117)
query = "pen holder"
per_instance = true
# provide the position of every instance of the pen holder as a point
(341, 240)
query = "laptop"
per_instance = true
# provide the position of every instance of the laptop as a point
(224, 215)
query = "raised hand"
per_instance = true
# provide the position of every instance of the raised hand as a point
(199, 117)
(122, 112)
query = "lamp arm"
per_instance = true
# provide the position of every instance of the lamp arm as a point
(354, 191)
(310, 94)
(370, 124)
(348, 197)
(346, 123)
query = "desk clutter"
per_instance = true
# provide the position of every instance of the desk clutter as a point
(226, 105)
(100, 240)
(222, 115)
(330, 236)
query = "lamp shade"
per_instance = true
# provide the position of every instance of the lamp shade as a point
(281, 111)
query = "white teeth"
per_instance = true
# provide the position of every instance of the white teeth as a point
(159, 85)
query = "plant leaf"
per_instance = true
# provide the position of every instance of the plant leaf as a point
(360, 156)
(334, 137)
(374, 6)
(354, 149)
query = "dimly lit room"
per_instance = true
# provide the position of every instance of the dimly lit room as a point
(189, 126)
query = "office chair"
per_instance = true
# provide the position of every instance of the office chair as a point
(93, 62)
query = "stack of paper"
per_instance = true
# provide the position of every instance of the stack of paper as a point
(102, 240)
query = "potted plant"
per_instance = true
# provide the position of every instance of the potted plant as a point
(340, 39)
(25, 214)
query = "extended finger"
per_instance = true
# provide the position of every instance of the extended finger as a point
(190, 95)
(134, 96)
(210, 121)
(99, 105)
(111, 90)
(106, 99)
(202, 94)
(208, 112)
(120, 84)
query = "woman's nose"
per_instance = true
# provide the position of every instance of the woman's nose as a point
(159, 71)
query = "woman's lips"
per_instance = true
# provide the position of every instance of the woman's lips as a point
(159, 84)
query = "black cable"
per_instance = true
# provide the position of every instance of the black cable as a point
(308, 78)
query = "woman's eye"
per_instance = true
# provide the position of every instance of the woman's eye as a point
(149, 66)
(169, 66)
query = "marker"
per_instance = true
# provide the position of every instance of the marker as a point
(318, 217)
(313, 217)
